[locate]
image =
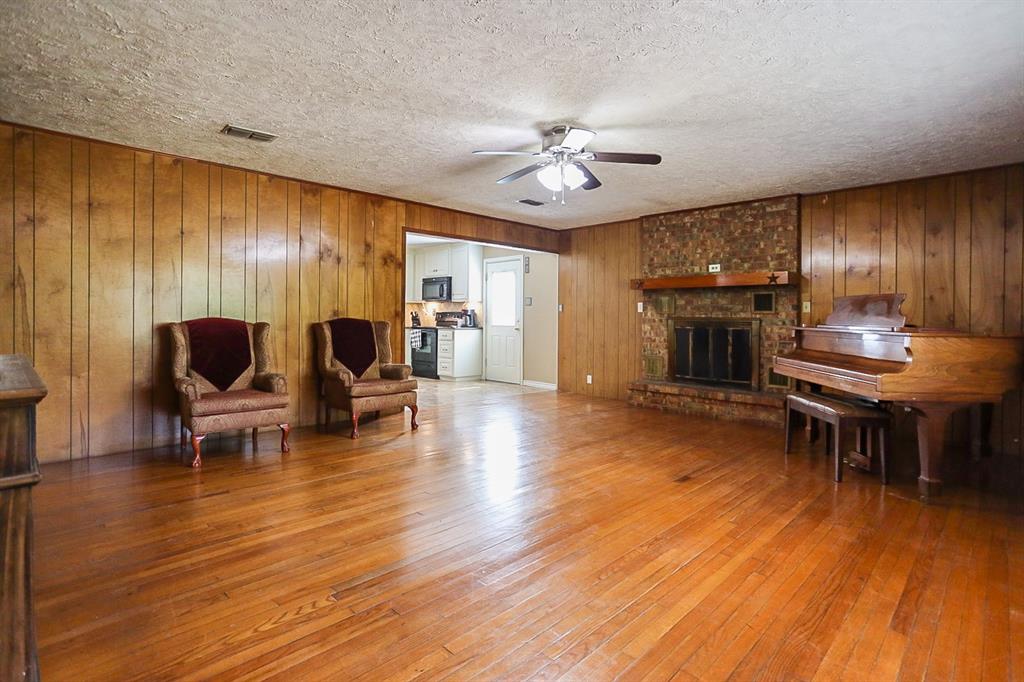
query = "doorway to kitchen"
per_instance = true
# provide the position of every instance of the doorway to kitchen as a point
(476, 311)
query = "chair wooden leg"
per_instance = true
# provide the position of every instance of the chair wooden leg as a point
(285, 430)
(255, 438)
(838, 432)
(789, 412)
(414, 409)
(828, 437)
(196, 450)
(355, 425)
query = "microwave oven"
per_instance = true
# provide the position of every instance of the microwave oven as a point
(437, 288)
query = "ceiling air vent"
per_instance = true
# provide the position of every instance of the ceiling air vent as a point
(247, 133)
(531, 202)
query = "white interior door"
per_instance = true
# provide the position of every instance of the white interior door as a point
(503, 316)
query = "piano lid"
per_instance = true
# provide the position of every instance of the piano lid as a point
(872, 311)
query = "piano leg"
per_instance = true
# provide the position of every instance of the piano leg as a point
(931, 432)
(981, 425)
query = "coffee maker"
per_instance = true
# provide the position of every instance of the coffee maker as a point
(469, 317)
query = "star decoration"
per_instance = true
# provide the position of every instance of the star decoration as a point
(773, 278)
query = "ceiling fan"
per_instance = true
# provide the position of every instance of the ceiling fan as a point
(559, 164)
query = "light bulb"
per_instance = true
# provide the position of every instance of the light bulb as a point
(550, 177)
(574, 177)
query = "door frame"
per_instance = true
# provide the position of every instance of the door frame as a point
(519, 309)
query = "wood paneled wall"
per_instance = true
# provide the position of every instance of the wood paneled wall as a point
(102, 245)
(599, 326)
(954, 244)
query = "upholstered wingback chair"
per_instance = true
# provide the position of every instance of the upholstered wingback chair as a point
(223, 378)
(356, 372)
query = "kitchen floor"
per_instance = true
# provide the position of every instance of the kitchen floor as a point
(436, 392)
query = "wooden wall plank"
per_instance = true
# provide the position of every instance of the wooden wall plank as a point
(294, 333)
(822, 245)
(111, 188)
(839, 272)
(308, 302)
(566, 328)
(142, 295)
(272, 273)
(215, 251)
(356, 271)
(343, 254)
(195, 231)
(24, 242)
(806, 249)
(52, 286)
(79, 333)
(940, 253)
(987, 243)
(233, 243)
(962, 251)
(888, 216)
(252, 194)
(1013, 265)
(330, 253)
(167, 187)
(863, 242)
(6, 239)
(910, 249)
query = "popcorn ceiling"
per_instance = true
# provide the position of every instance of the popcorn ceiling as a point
(743, 100)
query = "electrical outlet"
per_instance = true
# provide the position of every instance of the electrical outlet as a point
(639, 306)
(528, 300)
(807, 306)
(590, 378)
(714, 267)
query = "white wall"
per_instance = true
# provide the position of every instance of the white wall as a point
(540, 320)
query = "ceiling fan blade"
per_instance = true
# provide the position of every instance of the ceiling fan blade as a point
(522, 172)
(496, 153)
(577, 138)
(592, 181)
(624, 157)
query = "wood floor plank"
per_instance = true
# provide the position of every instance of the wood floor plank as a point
(561, 536)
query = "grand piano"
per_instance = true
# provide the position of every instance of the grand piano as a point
(865, 348)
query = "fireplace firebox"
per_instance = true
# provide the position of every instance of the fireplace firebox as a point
(715, 351)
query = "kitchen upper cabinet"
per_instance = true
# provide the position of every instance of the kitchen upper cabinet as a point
(467, 274)
(415, 265)
(438, 261)
(460, 261)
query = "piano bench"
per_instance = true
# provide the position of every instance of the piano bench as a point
(841, 416)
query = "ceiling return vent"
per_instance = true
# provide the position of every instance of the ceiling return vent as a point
(247, 133)
(531, 202)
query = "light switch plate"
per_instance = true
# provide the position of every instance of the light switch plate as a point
(807, 306)
(639, 306)
(714, 267)
(528, 300)
(590, 378)
(560, 308)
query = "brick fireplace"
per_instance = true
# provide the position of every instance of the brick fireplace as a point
(718, 324)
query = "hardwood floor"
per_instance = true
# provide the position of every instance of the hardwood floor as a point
(520, 534)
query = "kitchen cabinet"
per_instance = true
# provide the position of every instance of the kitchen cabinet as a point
(461, 261)
(437, 261)
(460, 353)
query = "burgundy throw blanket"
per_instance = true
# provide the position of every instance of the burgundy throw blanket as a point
(353, 343)
(219, 349)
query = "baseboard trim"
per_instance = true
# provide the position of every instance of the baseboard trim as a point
(541, 384)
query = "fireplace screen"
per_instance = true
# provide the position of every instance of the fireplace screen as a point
(715, 351)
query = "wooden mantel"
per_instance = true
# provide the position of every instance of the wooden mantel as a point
(758, 278)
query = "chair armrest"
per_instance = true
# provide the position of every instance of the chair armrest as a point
(395, 371)
(187, 387)
(341, 374)
(270, 382)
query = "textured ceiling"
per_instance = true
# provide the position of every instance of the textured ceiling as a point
(743, 100)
